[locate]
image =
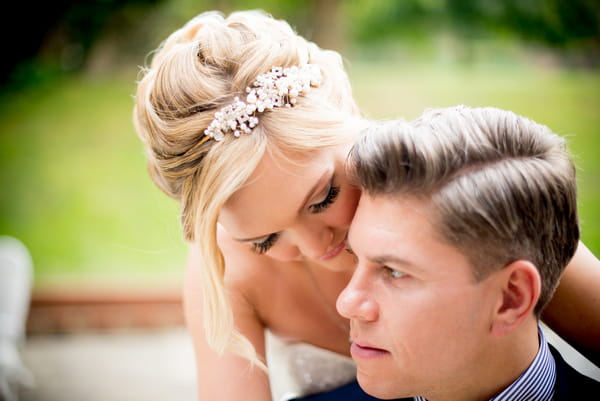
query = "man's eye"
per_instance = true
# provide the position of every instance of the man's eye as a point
(393, 273)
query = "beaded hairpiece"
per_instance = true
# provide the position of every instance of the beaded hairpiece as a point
(277, 88)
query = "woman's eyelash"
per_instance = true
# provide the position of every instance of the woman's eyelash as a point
(325, 203)
(262, 247)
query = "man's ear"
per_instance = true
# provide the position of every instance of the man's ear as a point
(520, 286)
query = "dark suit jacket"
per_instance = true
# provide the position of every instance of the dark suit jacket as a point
(348, 392)
(572, 385)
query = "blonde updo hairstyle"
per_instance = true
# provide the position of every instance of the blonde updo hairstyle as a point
(199, 69)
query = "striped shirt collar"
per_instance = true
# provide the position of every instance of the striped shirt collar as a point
(536, 383)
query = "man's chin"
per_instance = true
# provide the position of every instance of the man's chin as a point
(377, 386)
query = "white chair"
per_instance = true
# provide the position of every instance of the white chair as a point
(16, 271)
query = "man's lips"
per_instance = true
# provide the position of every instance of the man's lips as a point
(366, 351)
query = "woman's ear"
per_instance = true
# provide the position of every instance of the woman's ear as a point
(520, 285)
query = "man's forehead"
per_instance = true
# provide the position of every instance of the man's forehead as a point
(390, 216)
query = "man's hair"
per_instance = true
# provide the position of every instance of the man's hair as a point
(502, 187)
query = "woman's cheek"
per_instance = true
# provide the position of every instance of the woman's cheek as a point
(284, 252)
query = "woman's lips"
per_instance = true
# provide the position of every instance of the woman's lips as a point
(334, 252)
(366, 352)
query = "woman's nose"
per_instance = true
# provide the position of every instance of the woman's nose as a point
(356, 301)
(314, 239)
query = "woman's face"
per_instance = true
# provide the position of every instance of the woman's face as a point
(295, 208)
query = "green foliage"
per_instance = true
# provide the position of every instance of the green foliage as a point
(60, 36)
(556, 22)
(382, 19)
(561, 23)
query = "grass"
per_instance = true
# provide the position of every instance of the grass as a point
(75, 188)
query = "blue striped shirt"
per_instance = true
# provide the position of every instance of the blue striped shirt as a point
(536, 383)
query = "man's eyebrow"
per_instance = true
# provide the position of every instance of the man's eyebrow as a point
(389, 258)
(308, 196)
(381, 259)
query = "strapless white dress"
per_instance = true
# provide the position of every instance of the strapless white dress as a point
(300, 369)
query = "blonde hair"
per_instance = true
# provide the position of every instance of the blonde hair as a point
(502, 187)
(199, 69)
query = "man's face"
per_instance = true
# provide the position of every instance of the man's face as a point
(420, 324)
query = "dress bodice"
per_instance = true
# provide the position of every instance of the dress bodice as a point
(301, 369)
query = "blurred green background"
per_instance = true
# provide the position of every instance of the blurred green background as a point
(73, 181)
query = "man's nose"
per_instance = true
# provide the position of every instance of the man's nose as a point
(356, 300)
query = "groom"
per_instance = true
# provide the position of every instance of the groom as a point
(467, 219)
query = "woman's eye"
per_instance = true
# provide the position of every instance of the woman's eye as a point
(331, 196)
(264, 246)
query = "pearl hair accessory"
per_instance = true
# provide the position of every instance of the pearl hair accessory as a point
(279, 87)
